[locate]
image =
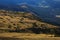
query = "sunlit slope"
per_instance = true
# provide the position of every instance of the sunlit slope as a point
(21, 19)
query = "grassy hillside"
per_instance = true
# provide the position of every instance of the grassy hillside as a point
(12, 21)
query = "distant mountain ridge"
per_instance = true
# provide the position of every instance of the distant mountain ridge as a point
(47, 12)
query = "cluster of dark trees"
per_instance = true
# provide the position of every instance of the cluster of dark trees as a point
(37, 30)
(55, 31)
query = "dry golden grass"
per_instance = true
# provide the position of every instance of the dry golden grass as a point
(22, 21)
(25, 35)
(26, 22)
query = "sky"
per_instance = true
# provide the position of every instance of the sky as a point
(36, 3)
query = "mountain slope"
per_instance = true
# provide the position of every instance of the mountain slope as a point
(44, 9)
(14, 19)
